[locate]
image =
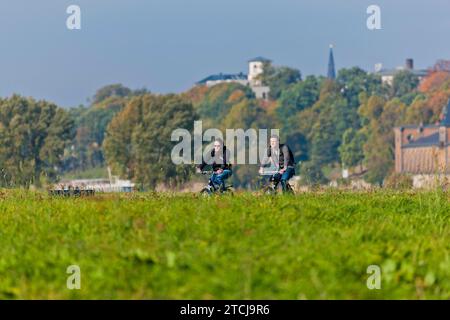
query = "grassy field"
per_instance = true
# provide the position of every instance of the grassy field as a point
(155, 246)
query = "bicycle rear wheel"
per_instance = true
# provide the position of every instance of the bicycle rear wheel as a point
(206, 192)
(229, 190)
(269, 190)
(289, 189)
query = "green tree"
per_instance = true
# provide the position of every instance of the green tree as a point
(219, 99)
(351, 149)
(318, 131)
(91, 123)
(404, 83)
(355, 81)
(138, 142)
(112, 90)
(247, 114)
(381, 117)
(33, 136)
(296, 98)
(279, 79)
(331, 117)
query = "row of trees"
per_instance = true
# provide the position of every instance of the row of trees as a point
(86, 150)
(129, 130)
(330, 124)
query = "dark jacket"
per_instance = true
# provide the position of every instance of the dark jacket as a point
(285, 158)
(217, 161)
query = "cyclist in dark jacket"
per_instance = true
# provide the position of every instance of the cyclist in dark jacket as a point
(219, 160)
(281, 156)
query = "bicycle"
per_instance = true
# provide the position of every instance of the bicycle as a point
(212, 188)
(271, 188)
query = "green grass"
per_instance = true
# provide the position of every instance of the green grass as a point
(154, 246)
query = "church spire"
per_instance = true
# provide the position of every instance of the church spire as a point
(331, 70)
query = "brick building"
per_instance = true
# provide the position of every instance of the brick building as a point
(424, 150)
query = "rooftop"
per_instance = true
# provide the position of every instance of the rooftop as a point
(223, 77)
(260, 59)
(431, 140)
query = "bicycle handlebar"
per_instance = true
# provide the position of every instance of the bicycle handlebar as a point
(265, 173)
(268, 173)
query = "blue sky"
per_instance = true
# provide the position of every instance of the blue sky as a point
(167, 45)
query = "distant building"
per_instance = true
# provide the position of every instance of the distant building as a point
(212, 80)
(98, 185)
(387, 75)
(253, 79)
(255, 71)
(424, 150)
(112, 184)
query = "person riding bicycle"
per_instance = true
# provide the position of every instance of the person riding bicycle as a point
(218, 159)
(281, 156)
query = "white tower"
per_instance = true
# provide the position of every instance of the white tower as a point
(255, 70)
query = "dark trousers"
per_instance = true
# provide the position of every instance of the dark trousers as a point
(284, 178)
(219, 179)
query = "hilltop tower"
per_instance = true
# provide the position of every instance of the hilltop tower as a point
(255, 71)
